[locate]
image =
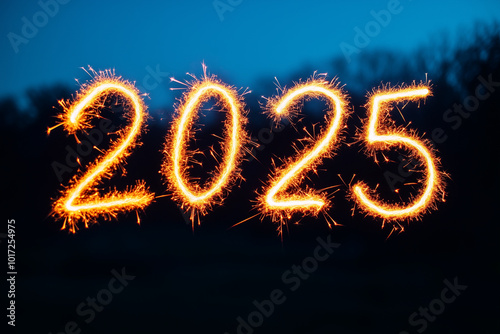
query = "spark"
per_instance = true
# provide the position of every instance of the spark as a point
(278, 199)
(392, 136)
(80, 200)
(244, 220)
(185, 190)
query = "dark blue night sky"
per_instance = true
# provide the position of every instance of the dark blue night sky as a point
(437, 274)
(249, 41)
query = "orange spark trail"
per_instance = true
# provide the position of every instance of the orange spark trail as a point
(81, 200)
(190, 194)
(275, 201)
(392, 136)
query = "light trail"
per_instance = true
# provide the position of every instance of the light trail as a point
(81, 200)
(191, 195)
(380, 133)
(282, 194)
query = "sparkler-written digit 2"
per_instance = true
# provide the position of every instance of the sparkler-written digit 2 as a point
(189, 193)
(81, 201)
(294, 170)
(378, 106)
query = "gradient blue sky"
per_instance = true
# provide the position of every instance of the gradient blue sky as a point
(258, 39)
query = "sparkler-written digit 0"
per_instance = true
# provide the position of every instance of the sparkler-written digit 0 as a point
(199, 198)
(81, 201)
(275, 201)
(378, 106)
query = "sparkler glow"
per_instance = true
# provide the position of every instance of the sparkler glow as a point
(283, 194)
(380, 133)
(275, 201)
(190, 194)
(81, 200)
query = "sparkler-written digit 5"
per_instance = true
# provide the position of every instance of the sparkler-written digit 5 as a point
(377, 139)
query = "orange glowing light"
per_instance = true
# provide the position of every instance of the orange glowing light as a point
(81, 200)
(380, 133)
(275, 201)
(190, 194)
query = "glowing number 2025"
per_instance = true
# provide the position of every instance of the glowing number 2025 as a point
(294, 170)
(80, 201)
(174, 168)
(378, 106)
